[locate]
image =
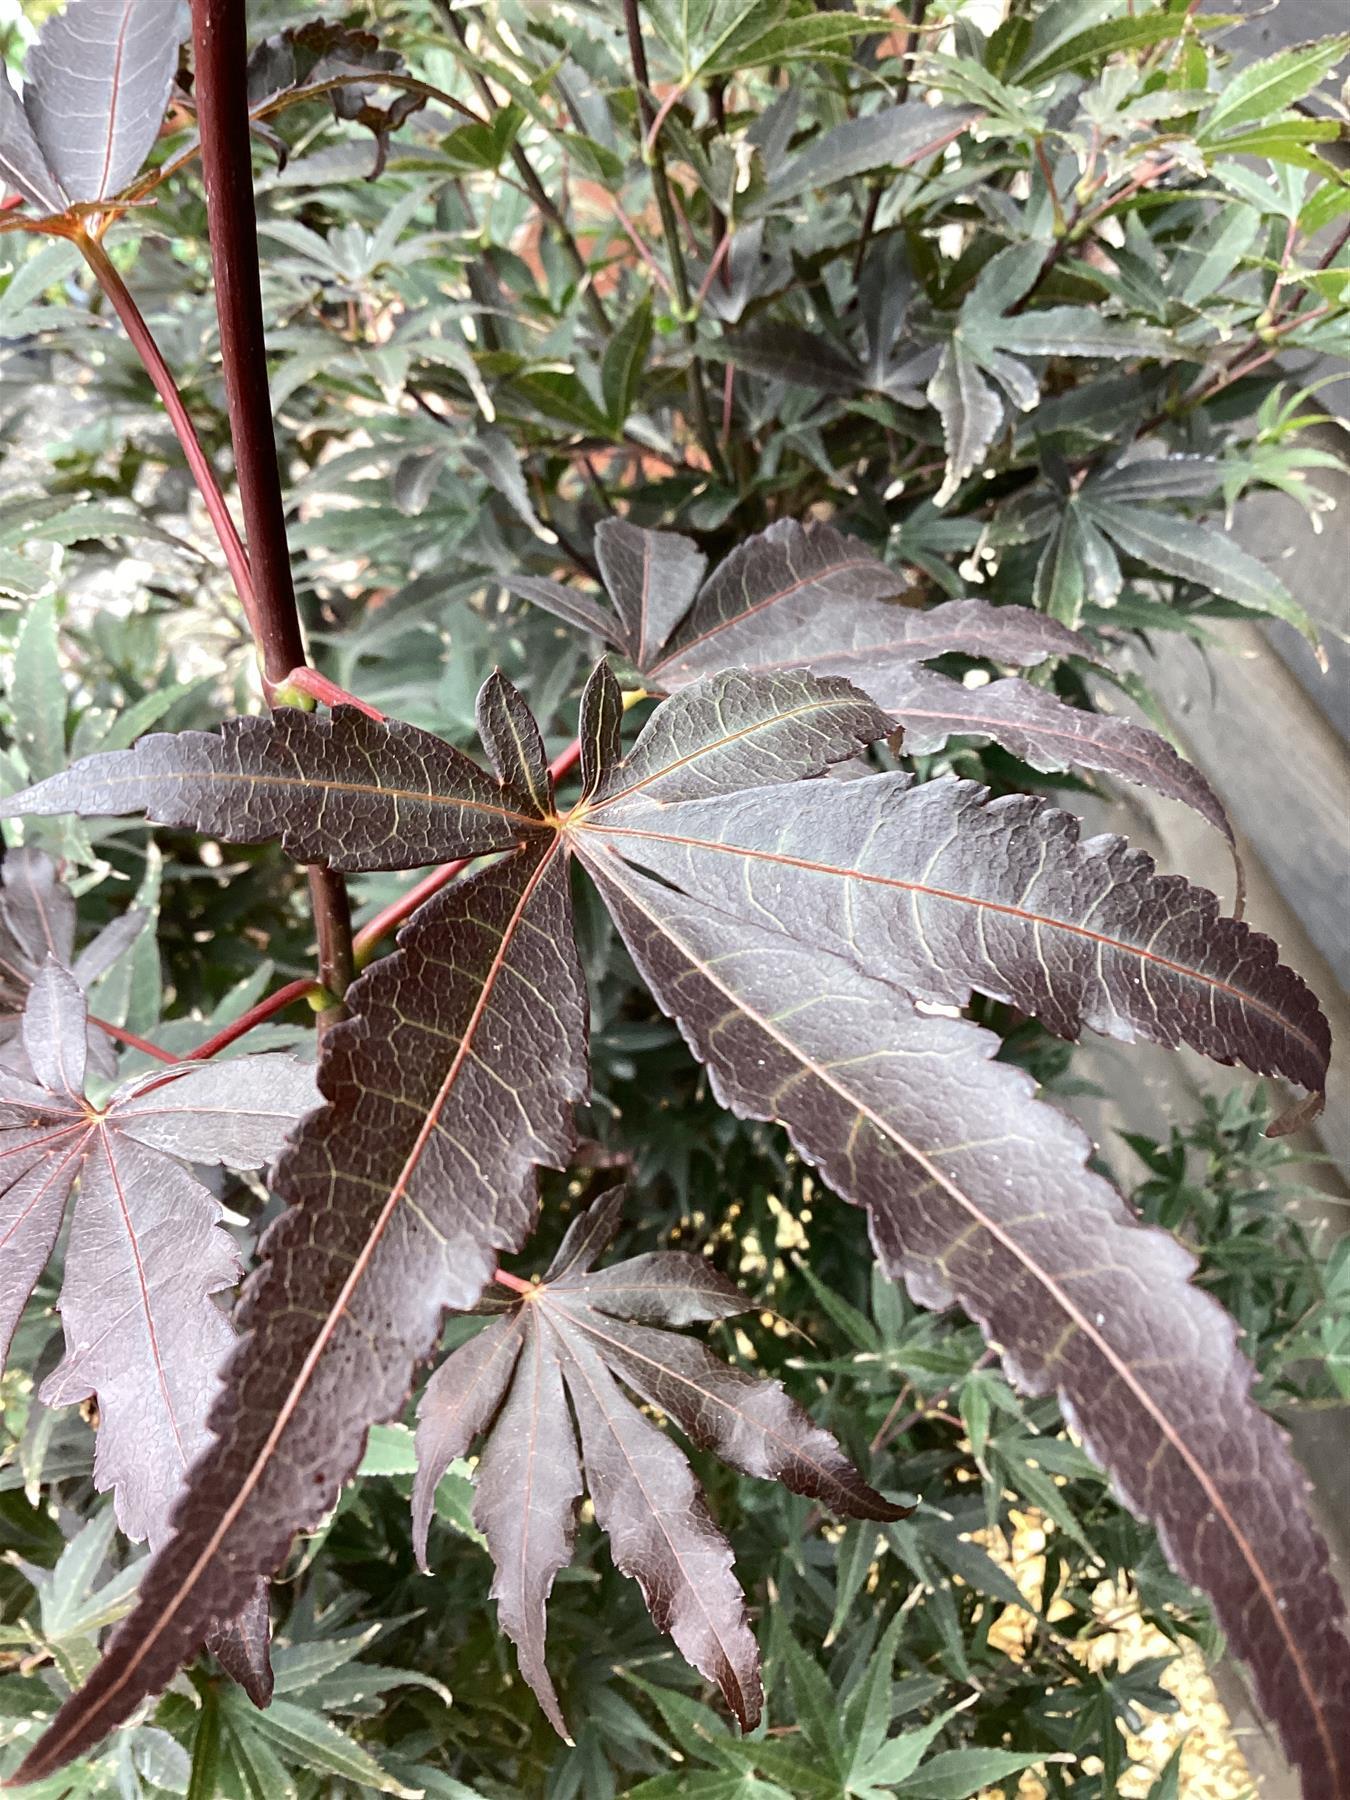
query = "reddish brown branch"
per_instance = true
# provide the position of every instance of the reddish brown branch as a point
(134, 1042)
(240, 1027)
(221, 89)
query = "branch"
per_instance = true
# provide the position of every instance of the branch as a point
(303, 989)
(221, 55)
(132, 1041)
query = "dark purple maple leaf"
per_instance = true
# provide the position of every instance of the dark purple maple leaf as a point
(96, 86)
(146, 1252)
(795, 928)
(588, 1336)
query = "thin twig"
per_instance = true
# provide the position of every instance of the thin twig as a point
(670, 226)
(134, 1042)
(286, 996)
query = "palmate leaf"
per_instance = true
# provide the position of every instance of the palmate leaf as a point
(982, 358)
(797, 928)
(570, 1338)
(998, 897)
(96, 86)
(145, 1255)
(796, 596)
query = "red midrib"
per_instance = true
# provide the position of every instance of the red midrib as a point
(997, 906)
(115, 97)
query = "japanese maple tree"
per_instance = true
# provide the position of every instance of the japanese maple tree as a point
(815, 920)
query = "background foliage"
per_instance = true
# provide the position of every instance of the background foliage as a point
(953, 357)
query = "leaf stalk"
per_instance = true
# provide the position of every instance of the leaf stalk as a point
(143, 341)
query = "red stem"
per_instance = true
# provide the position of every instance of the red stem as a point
(319, 687)
(166, 387)
(274, 1003)
(516, 1285)
(124, 1036)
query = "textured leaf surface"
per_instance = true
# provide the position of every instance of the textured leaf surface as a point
(1048, 735)
(146, 1250)
(342, 789)
(978, 1193)
(528, 1487)
(37, 921)
(582, 1327)
(943, 891)
(452, 1079)
(652, 577)
(97, 84)
(800, 596)
(734, 730)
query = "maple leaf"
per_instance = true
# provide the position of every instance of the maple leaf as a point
(983, 359)
(37, 921)
(1126, 508)
(146, 1252)
(587, 1336)
(796, 929)
(808, 596)
(324, 56)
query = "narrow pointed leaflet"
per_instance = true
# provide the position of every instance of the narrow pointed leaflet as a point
(345, 790)
(451, 1080)
(37, 923)
(580, 1329)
